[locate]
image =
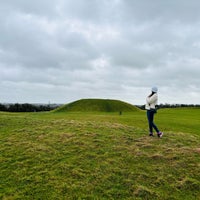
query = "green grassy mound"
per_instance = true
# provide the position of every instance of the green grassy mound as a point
(97, 105)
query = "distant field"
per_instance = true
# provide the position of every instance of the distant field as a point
(98, 155)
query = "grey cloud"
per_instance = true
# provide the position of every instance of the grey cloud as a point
(36, 47)
(167, 11)
(37, 7)
(98, 49)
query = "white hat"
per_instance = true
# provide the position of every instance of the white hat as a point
(154, 89)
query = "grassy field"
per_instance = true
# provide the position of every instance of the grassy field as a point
(71, 155)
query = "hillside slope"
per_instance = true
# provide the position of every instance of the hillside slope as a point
(98, 105)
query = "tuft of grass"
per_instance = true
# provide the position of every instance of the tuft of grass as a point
(99, 156)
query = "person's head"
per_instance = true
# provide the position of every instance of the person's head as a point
(154, 89)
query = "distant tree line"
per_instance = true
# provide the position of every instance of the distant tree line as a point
(27, 107)
(48, 107)
(171, 106)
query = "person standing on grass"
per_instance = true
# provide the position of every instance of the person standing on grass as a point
(151, 102)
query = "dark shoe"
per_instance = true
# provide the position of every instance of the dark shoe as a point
(160, 134)
(151, 134)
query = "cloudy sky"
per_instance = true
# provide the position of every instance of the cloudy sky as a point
(59, 51)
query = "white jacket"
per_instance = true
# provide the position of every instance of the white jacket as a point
(151, 102)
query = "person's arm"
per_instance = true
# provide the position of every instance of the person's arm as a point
(152, 99)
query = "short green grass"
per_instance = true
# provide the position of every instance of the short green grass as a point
(98, 105)
(76, 155)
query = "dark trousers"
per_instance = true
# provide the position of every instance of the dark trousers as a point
(150, 116)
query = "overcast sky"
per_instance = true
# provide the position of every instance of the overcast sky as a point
(59, 51)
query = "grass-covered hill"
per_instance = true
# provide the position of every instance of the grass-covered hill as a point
(97, 105)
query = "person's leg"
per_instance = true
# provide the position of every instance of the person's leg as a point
(153, 124)
(160, 134)
(150, 121)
